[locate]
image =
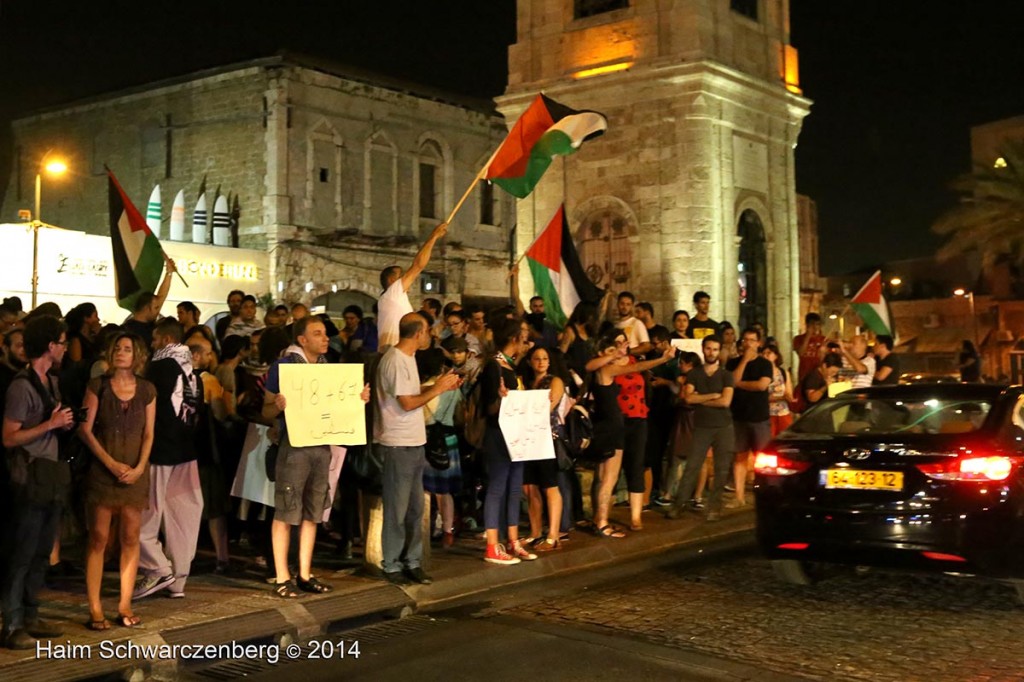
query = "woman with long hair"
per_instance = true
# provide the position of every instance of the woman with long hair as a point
(780, 391)
(541, 370)
(611, 429)
(119, 431)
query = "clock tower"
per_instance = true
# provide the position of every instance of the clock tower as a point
(692, 186)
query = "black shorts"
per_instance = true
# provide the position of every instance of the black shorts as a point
(542, 473)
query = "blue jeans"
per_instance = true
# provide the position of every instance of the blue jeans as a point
(31, 532)
(504, 482)
(402, 535)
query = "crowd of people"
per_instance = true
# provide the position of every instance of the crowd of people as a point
(146, 429)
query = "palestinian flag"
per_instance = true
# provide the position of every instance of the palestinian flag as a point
(871, 306)
(138, 256)
(545, 129)
(558, 275)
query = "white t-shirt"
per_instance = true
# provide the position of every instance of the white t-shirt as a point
(859, 380)
(394, 426)
(392, 304)
(635, 330)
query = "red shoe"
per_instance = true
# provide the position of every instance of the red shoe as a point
(516, 549)
(447, 540)
(496, 554)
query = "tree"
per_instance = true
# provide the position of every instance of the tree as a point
(990, 216)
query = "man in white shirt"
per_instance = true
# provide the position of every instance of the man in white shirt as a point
(399, 435)
(636, 332)
(858, 364)
(394, 302)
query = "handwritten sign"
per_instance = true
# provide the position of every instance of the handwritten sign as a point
(525, 422)
(688, 345)
(324, 406)
(838, 387)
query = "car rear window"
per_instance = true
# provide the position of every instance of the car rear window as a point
(858, 414)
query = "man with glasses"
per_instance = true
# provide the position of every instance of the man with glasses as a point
(40, 481)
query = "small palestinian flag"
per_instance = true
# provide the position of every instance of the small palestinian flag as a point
(558, 275)
(871, 306)
(138, 256)
(546, 129)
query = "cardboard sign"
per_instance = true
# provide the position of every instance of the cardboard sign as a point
(689, 345)
(838, 387)
(525, 420)
(323, 404)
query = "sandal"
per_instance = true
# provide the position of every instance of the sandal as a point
(313, 585)
(128, 621)
(585, 524)
(609, 531)
(98, 625)
(286, 590)
(636, 526)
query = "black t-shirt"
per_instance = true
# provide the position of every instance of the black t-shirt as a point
(813, 382)
(706, 416)
(698, 329)
(144, 330)
(490, 383)
(890, 361)
(174, 441)
(971, 372)
(751, 406)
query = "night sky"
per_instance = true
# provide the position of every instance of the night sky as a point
(895, 84)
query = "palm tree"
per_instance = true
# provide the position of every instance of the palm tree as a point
(990, 216)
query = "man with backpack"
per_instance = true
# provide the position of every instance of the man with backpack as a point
(175, 497)
(33, 419)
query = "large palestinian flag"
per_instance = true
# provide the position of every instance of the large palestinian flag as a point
(138, 257)
(558, 275)
(871, 306)
(545, 129)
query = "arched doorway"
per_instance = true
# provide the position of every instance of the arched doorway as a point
(605, 233)
(752, 270)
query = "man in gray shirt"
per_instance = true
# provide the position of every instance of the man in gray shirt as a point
(708, 390)
(399, 434)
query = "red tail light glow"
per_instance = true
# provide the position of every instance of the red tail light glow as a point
(794, 545)
(774, 464)
(983, 469)
(939, 556)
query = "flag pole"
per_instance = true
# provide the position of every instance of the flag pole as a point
(477, 178)
(176, 271)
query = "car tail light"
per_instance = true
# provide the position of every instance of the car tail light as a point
(774, 464)
(994, 468)
(794, 545)
(939, 556)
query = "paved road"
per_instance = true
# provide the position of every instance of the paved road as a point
(876, 626)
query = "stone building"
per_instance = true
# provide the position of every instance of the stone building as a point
(692, 186)
(338, 173)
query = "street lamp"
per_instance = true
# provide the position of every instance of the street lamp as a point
(969, 295)
(53, 167)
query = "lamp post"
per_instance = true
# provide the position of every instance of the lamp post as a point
(54, 167)
(969, 295)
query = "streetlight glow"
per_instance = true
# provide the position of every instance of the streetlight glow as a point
(56, 167)
(895, 281)
(959, 292)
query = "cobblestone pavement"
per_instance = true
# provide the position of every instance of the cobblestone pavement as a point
(876, 626)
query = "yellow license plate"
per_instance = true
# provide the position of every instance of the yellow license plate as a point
(861, 479)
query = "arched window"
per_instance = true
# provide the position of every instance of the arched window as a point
(430, 176)
(380, 184)
(752, 270)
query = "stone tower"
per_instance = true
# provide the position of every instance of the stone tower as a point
(692, 186)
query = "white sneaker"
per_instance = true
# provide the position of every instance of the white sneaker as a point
(149, 584)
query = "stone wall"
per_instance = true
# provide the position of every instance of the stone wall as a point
(213, 125)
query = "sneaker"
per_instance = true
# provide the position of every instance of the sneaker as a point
(418, 575)
(42, 629)
(518, 550)
(663, 501)
(730, 488)
(548, 545)
(176, 594)
(696, 504)
(496, 554)
(147, 585)
(397, 578)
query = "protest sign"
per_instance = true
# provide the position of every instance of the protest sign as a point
(525, 420)
(323, 404)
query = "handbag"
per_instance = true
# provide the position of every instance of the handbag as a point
(270, 461)
(437, 448)
(562, 457)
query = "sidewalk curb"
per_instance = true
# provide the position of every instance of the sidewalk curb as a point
(297, 620)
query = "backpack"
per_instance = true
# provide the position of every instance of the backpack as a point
(474, 422)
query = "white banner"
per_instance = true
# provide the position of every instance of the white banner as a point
(525, 420)
(689, 345)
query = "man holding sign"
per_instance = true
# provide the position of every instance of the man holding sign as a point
(302, 473)
(400, 433)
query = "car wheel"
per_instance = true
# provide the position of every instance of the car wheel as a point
(792, 571)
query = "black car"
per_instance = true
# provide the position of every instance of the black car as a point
(921, 477)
